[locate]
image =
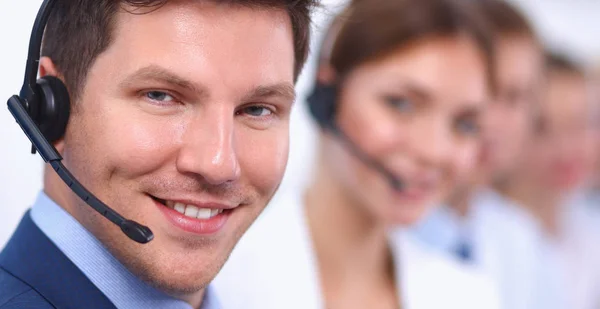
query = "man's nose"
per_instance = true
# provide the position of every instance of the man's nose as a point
(434, 142)
(208, 147)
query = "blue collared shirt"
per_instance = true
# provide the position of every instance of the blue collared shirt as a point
(124, 290)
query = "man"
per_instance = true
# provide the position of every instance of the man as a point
(593, 195)
(179, 120)
(480, 225)
(551, 181)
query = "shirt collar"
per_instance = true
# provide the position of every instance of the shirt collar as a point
(442, 228)
(123, 288)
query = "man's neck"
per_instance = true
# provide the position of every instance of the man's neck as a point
(55, 188)
(462, 196)
(195, 299)
(544, 205)
(460, 201)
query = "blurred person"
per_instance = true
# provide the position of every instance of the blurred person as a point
(592, 194)
(399, 126)
(552, 176)
(586, 195)
(478, 224)
(179, 120)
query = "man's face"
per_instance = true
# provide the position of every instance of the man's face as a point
(563, 149)
(509, 119)
(187, 111)
(595, 119)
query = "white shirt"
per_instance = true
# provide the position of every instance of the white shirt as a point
(274, 267)
(505, 243)
(577, 253)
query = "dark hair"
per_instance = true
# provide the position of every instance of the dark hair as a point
(374, 28)
(80, 30)
(506, 19)
(556, 62)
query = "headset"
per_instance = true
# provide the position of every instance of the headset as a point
(322, 102)
(42, 110)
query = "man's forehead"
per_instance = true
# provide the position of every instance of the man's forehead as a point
(198, 47)
(567, 108)
(207, 8)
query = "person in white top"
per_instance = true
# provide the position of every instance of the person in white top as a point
(276, 265)
(591, 194)
(496, 238)
(551, 178)
(399, 92)
(478, 223)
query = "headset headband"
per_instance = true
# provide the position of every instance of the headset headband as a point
(35, 45)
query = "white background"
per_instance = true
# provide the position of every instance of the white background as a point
(572, 25)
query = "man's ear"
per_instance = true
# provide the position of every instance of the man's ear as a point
(48, 68)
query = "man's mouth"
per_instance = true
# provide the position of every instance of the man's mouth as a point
(190, 211)
(198, 218)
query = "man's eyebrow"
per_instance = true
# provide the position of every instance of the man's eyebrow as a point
(282, 90)
(418, 91)
(162, 75)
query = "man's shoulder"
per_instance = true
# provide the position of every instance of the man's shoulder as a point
(495, 210)
(16, 294)
(34, 273)
(470, 284)
(510, 234)
(455, 285)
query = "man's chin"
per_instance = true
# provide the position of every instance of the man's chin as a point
(183, 282)
(179, 287)
(174, 270)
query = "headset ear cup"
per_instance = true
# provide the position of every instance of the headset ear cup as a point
(322, 103)
(54, 109)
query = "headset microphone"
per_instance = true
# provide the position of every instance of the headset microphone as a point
(42, 111)
(322, 107)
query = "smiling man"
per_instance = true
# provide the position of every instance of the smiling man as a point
(179, 121)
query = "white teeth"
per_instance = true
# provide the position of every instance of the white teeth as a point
(180, 208)
(204, 213)
(191, 211)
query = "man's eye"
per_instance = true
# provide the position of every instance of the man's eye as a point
(401, 104)
(159, 96)
(257, 111)
(468, 127)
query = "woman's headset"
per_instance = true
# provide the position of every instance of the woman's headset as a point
(322, 102)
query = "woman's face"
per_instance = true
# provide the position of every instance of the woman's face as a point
(416, 111)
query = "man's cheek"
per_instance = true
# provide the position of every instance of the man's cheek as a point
(264, 161)
(466, 162)
(130, 158)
